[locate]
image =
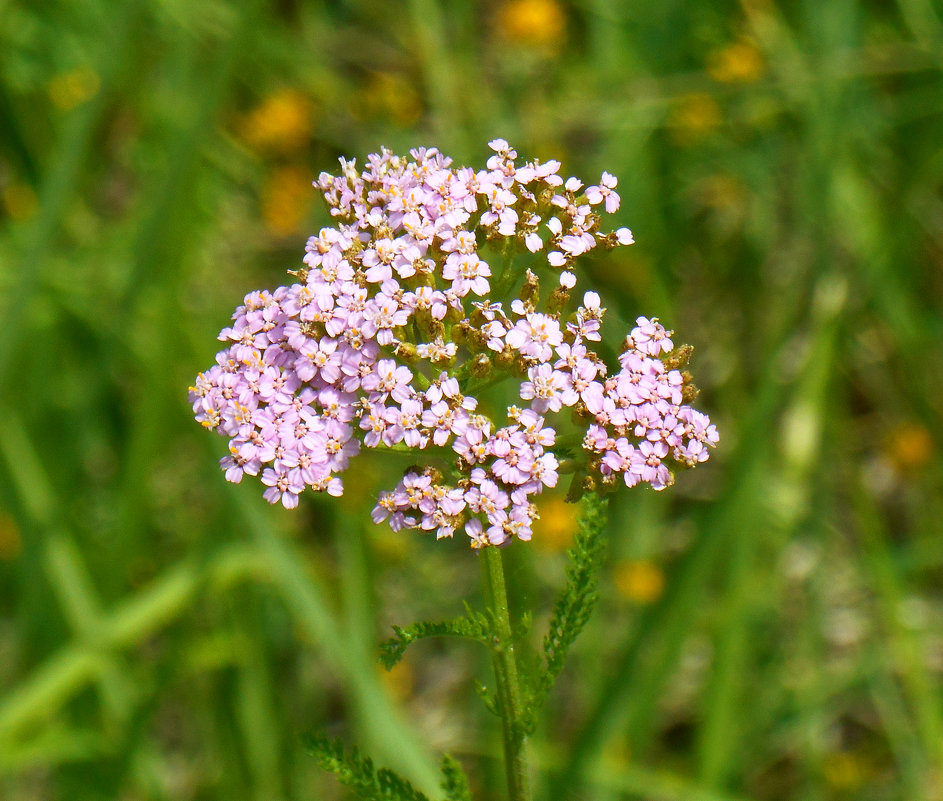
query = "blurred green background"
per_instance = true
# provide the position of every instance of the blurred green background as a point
(771, 628)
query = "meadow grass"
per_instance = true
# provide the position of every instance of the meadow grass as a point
(770, 629)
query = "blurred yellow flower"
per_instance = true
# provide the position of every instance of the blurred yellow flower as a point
(740, 62)
(392, 547)
(909, 446)
(726, 198)
(846, 770)
(70, 89)
(722, 191)
(10, 542)
(617, 754)
(280, 123)
(639, 580)
(399, 681)
(557, 524)
(693, 117)
(388, 94)
(286, 199)
(19, 200)
(532, 22)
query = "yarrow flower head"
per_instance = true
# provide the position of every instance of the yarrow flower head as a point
(401, 323)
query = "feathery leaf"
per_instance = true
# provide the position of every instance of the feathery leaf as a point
(471, 626)
(358, 772)
(576, 602)
(454, 780)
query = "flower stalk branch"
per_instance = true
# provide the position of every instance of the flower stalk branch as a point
(510, 699)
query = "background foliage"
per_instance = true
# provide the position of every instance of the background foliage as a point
(772, 628)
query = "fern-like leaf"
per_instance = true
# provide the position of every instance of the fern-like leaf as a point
(471, 626)
(358, 772)
(575, 604)
(454, 780)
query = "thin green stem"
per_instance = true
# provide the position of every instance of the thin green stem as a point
(506, 275)
(510, 703)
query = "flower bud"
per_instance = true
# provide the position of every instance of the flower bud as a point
(530, 292)
(459, 333)
(688, 391)
(558, 299)
(481, 366)
(424, 276)
(464, 334)
(406, 351)
(609, 481)
(678, 357)
(505, 358)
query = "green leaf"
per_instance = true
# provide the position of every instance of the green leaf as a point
(454, 780)
(358, 772)
(471, 626)
(575, 604)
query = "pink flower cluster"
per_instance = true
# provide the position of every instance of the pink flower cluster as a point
(397, 325)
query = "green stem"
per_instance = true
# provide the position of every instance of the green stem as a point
(506, 276)
(510, 703)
